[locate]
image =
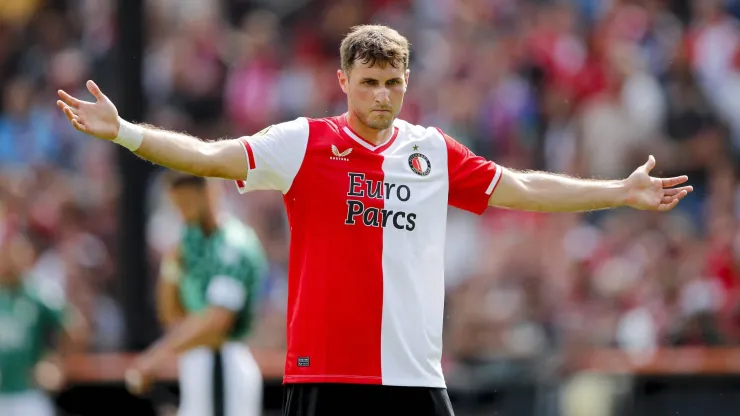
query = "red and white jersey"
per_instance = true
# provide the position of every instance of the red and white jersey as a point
(367, 223)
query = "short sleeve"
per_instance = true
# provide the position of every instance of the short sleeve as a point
(53, 306)
(236, 267)
(274, 156)
(227, 292)
(472, 178)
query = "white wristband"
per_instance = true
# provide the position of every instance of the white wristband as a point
(129, 136)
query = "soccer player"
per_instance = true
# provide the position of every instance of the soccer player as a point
(31, 317)
(367, 196)
(207, 295)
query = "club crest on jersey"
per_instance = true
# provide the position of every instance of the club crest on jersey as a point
(420, 164)
(340, 155)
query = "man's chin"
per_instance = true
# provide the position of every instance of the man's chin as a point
(380, 123)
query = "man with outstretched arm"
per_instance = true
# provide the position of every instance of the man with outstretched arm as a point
(367, 196)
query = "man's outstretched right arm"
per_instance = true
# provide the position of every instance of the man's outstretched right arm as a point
(223, 159)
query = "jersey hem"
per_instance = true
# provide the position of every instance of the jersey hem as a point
(415, 383)
(344, 379)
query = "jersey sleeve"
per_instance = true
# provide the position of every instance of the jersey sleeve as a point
(53, 306)
(274, 156)
(472, 178)
(227, 291)
(235, 274)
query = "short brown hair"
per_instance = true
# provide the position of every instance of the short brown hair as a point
(374, 44)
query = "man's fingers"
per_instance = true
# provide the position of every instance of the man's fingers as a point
(668, 202)
(72, 116)
(675, 191)
(669, 206)
(69, 100)
(69, 113)
(677, 196)
(95, 90)
(671, 182)
(79, 126)
(650, 164)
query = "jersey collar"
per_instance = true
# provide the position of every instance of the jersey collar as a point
(351, 134)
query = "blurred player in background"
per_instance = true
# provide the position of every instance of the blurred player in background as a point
(207, 295)
(37, 329)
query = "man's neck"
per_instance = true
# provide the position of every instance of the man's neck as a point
(371, 135)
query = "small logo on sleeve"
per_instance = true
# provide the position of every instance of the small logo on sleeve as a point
(420, 164)
(340, 155)
(304, 362)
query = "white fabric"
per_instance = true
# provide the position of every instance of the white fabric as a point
(129, 136)
(412, 338)
(31, 403)
(242, 382)
(278, 154)
(226, 292)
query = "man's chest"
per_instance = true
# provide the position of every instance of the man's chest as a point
(389, 189)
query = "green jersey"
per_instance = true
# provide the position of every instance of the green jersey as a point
(28, 318)
(222, 269)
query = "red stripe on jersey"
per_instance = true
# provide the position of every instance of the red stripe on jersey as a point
(469, 177)
(250, 155)
(335, 289)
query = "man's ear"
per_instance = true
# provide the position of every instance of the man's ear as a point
(343, 80)
(406, 76)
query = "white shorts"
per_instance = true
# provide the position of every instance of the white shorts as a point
(242, 382)
(30, 403)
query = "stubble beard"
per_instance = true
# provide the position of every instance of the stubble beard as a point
(378, 123)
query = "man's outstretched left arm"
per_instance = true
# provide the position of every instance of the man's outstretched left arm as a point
(547, 192)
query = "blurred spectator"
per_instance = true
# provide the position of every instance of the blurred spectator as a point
(26, 134)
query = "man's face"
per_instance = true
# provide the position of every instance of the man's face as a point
(375, 93)
(190, 201)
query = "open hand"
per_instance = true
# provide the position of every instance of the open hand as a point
(99, 119)
(645, 192)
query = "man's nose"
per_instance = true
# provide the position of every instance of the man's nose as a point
(382, 95)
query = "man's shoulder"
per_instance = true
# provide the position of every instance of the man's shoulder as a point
(406, 126)
(330, 123)
(288, 126)
(301, 127)
(416, 131)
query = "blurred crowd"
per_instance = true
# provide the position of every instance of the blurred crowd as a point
(587, 88)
